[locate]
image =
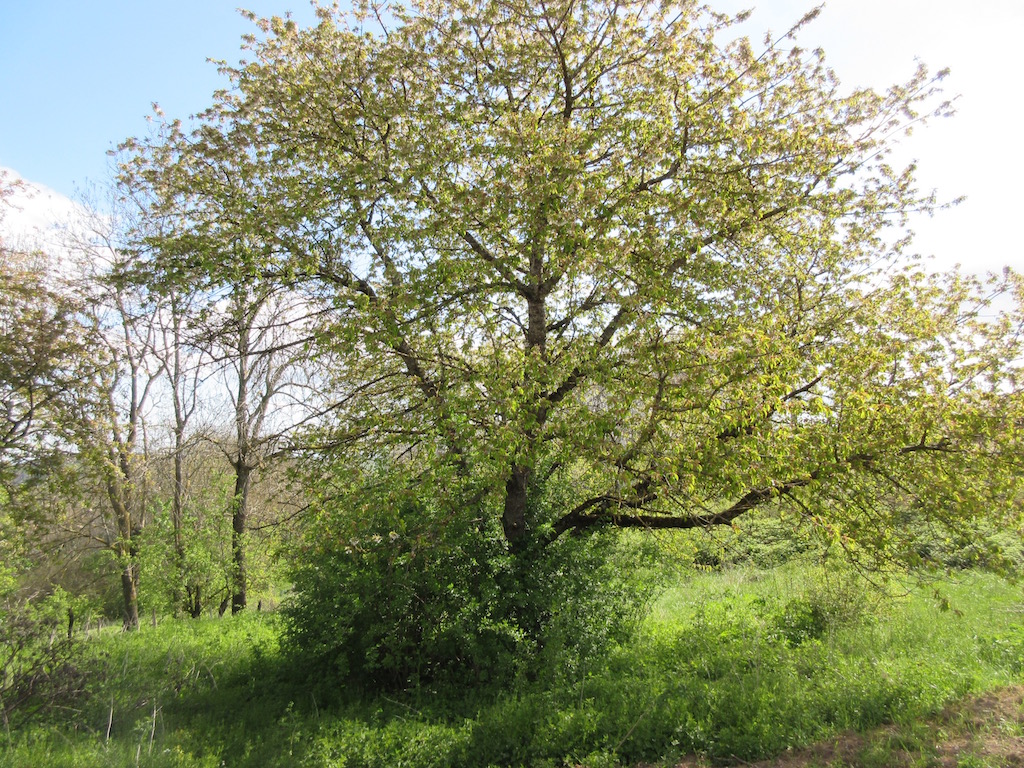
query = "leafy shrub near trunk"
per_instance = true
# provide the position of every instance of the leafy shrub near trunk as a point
(411, 593)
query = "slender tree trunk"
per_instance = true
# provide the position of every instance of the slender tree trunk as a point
(239, 520)
(243, 472)
(184, 396)
(129, 586)
(130, 592)
(180, 596)
(126, 550)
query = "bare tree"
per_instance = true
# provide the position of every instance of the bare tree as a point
(258, 336)
(109, 431)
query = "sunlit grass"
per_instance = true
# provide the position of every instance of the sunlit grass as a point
(741, 664)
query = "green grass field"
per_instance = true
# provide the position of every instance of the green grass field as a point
(731, 666)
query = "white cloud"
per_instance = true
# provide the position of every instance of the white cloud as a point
(875, 43)
(34, 216)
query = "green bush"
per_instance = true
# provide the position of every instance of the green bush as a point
(798, 620)
(415, 593)
(40, 660)
(838, 599)
(980, 546)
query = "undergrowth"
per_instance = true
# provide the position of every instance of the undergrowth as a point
(735, 665)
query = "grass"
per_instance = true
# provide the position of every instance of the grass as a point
(734, 666)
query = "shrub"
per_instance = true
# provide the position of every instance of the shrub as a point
(397, 595)
(981, 546)
(798, 620)
(39, 659)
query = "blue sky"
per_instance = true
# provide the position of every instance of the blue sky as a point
(77, 77)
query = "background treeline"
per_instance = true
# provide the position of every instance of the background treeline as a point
(145, 457)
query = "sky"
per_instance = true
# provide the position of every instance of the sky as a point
(77, 78)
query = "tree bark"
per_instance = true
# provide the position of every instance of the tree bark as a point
(194, 598)
(130, 592)
(130, 588)
(177, 509)
(513, 520)
(239, 519)
(124, 547)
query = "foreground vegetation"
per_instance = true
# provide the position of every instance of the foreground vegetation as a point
(732, 666)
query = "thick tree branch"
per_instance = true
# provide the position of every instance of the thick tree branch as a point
(723, 234)
(609, 510)
(341, 275)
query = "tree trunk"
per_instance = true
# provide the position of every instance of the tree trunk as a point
(194, 596)
(513, 520)
(126, 550)
(239, 519)
(180, 597)
(130, 592)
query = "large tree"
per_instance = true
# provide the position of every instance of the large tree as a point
(586, 244)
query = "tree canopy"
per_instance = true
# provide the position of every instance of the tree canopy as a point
(590, 263)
